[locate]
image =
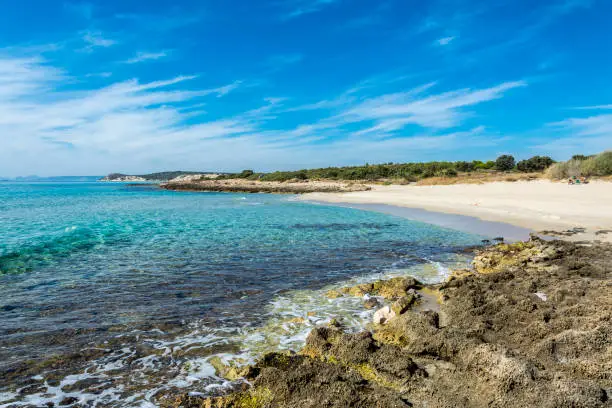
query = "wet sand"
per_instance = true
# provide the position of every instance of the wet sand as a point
(464, 223)
(538, 205)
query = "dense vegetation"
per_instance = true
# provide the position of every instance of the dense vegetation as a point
(403, 171)
(583, 166)
(505, 163)
(536, 163)
(578, 165)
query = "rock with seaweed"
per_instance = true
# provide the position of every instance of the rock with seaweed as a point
(529, 325)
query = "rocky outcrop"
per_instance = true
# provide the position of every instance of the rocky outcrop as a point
(253, 186)
(122, 178)
(529, 326)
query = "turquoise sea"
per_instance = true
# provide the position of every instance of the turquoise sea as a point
(113, 293)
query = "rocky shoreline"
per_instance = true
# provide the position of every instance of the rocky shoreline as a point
(253, 186)
(530, 324)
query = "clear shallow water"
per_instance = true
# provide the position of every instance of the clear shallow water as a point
(133, 289)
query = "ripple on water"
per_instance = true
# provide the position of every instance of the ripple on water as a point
(133, 375)
(151, 285)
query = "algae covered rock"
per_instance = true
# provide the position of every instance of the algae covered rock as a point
(283, 380)
(490, 342)
(230, 371)
(503, 256)
(361, 289)
(389, 289)
(395, 288)
(333, 294)
(385, 365)
(371, 303)
(404, 303)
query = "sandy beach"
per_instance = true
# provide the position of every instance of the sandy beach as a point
(539, 205)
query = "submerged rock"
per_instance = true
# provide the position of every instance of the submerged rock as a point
(333, 294)
(371, 303)
(389, 289)
(229, 371)
(361, 289)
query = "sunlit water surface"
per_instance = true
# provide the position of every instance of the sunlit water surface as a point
(111, 293)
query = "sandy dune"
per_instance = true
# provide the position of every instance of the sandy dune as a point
(538, 205)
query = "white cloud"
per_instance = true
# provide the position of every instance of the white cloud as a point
(437, 111)
(445, 41)
(95, 39)
(302, 7)
(595, 107)
(40, 124)
(100, 75)
(131, 126)
(146, 56)
(590, 134)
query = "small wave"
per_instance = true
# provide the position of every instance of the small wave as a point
(133, 377)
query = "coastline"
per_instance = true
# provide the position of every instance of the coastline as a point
(523, 327)
(393, 365)
(270, 187)
(551, 208)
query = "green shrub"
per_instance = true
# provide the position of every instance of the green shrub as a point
(464, 166)
(536, 163)
(301, 175)
(447, 173)
(505, 163)
(246, 174)
(478, 165)
(581, 157)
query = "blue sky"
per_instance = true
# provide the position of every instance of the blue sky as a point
(136, 86)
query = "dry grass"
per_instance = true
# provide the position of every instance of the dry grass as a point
(595, 166)
(479, 178)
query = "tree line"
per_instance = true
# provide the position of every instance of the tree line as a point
(406, 171)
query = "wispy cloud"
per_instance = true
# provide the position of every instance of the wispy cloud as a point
(595, 107)
(100, 75)
(575, 135)
(138, 126)
(416, 107)
(106, 122)
(300, 8)
(96, 39)
(445, 40)
(146, 56)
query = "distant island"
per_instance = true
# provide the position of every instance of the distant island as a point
(56, 179)
(161, 176)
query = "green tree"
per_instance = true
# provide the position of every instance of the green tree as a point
(505, 163)
(246, 174)
(536, 163)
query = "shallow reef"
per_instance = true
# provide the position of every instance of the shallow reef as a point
(529, 325)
